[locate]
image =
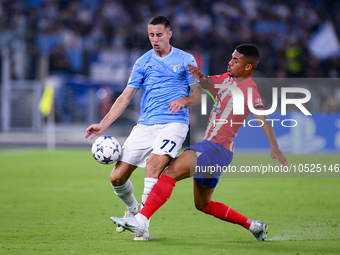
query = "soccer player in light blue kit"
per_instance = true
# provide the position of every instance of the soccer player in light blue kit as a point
(163, 122)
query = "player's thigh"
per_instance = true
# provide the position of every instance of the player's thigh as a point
(138, 146)
(202, 195)
(121, 173)
(183, 167)
(168, 138)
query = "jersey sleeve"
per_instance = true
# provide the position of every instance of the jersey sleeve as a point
(218, 79)
(220, 76)
(257, 100)
(137, 75)
(190, 60)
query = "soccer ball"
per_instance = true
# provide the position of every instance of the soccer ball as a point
(106, 149)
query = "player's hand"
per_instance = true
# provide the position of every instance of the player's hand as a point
(276, 154)
(177, 105)
(94, 130)
(194, 71)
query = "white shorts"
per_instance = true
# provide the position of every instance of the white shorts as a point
(160, 139)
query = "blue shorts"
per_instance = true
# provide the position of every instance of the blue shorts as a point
(211, 162)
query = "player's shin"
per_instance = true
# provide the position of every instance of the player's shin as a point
(148, 184)
(226, 213)
(125, 193)
(160, 193)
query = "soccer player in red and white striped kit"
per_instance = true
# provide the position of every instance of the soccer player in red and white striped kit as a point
(217, 148)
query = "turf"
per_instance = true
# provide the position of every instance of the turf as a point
(60, 203)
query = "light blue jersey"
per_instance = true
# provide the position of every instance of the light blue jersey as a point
(164, 79)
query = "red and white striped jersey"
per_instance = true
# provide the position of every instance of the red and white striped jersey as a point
(223, 124)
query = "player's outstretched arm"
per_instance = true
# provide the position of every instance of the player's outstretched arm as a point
(116, 110)
(197, 73)
(196, 95)
(275, 152)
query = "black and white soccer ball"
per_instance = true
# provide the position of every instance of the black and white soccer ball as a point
(106, 149)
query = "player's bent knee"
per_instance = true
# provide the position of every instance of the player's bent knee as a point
(117, 180)
(172, 173)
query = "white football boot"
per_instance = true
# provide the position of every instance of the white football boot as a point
(259, 230)
(144, 237)
(130, 224)
(127, 214)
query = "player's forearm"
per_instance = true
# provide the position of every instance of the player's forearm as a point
(205, 80)
(196, 95)
(119, 106)
(267, 130)
(116, 110)
(275, 152)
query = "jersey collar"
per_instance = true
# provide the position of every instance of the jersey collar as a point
(167, 55)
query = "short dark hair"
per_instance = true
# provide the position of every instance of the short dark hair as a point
(251, 52)
(160, 20)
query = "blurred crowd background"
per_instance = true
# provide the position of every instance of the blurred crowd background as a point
(68, 31)
(94, 43)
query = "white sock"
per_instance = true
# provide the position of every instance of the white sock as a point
(148, 184)
(252, 226)
(142, 220)
(125, 193)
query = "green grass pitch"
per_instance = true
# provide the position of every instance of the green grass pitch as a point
(60, 203)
